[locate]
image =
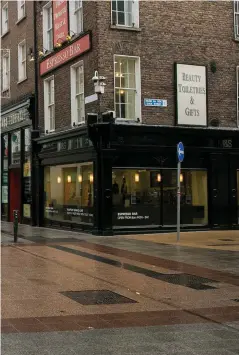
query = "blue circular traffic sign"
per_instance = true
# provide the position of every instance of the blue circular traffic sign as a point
(180, 151)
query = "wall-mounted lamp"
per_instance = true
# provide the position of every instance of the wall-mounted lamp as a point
(91, 178)
(136, 177)
(181, 178)
(58, 179)
(80, 178)
(31, 55)
(159, 177)
(69, 37)
(68, 178)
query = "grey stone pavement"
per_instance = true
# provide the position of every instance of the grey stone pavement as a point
(193, 339)
(200, 339)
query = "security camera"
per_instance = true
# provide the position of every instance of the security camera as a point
(96, 76)
(102, 78)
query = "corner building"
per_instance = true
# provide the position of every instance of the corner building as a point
(171, 73)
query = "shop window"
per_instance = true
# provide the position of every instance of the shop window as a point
(238, 196)
(27, 195)
(22, 61)
(127, 88)
(149, 197)
(194, 198)
(5, 177)
(47, 27)
(69, 193)
(76, 16)
(136, 196)
(125, 13)
(16, 148)
(77, 94)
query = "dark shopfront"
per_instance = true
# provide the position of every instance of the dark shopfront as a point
(16, 161)
(125, 180)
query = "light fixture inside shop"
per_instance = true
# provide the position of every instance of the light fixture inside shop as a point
(58, 179)
(159, 177)
(181, 177)
(136, 177)
(68, 178)
(80, 178)
(91, 178)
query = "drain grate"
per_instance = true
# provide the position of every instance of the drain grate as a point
(97, 297)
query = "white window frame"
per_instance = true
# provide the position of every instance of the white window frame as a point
(137, 117)
(74, 103)
(237, 74)
(22, 61)
(49, 123)
(21, 9)
(76, 16)
(4, 21)
(47, 31)
(134, 14)
(236, 19)
(6, 72)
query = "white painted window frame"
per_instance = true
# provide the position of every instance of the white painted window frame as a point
(76, 16)
(134, 14)
(236, 19)
(6, 72)
(74, 104)
(22, 61)
(49, 122)
(137, 117)
(4, 19)
(21, 9)
(47, 30)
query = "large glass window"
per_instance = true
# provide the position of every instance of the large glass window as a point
(149, 197)
(69, 193)
(16, 147)
(27, 195)
(5, 177)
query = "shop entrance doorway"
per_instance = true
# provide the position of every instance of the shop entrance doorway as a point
(15, 192)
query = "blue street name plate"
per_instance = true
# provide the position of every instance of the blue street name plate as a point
(155, 102)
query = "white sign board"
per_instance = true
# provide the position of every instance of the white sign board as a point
(191, 81)
(91, 98)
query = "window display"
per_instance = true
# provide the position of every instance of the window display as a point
(69, 193)
(149, 197)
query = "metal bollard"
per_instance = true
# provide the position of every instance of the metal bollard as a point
(15, 225)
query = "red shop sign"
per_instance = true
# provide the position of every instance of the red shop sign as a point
(66, 54)
(60, 21)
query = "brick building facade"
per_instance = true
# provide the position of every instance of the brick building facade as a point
(170, 70)
(17, 108)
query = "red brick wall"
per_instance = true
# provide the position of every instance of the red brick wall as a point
(17, 33)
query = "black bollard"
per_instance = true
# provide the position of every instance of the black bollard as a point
(15, 225)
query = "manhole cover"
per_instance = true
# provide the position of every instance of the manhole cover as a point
(97, 297)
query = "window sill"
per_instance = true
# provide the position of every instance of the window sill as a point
(5, 33)
(125, 28)
(21, 19)
(22, 80)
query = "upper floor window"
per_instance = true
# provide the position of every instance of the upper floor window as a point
(127, 88)
(77, 94)
(47, 27)
(236, 19)
(22, 61)
(21, 9)
(6, 72)
(4, 19)
(76, 16)
(125, 13)
(49, 104)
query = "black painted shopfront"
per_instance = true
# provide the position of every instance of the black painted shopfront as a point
(17, 164)
(123, 179)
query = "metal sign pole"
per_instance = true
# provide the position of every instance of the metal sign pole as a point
(178, 200)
